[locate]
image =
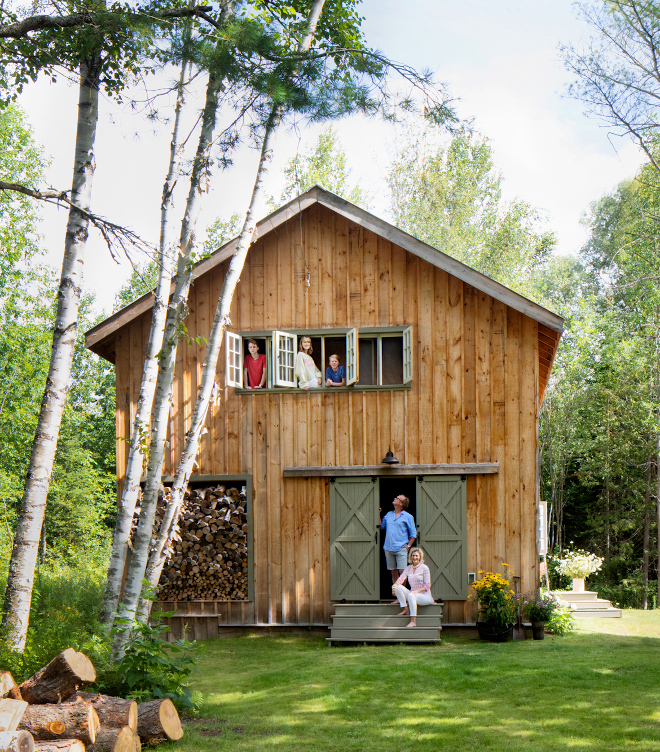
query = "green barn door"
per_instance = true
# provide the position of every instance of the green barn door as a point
(354, 554)
(442, 523)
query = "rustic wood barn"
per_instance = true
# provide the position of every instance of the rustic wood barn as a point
(445, 367)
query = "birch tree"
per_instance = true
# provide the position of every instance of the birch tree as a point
(135, 459)
(104, 55)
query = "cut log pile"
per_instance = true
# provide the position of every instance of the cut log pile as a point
(53, 716)
(209, 556)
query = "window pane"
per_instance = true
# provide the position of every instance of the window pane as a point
(392, 360)
(367, 350)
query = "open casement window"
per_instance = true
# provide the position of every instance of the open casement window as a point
(407, 355)
(284, 358)
(234, 345)
(352, 371)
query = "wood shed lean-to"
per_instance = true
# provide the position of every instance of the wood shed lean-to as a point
(448, 369)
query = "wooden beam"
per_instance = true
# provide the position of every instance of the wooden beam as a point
(466, 468)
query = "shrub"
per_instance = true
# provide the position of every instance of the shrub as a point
(578, 563)
(151, 667)
(561, 622)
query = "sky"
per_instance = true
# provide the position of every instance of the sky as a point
(500, 61)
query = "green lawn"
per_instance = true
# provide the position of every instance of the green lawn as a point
(597, 689)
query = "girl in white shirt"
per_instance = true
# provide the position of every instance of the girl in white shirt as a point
(419, 580)
(307, 373)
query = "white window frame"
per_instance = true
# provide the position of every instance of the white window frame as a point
(352, 356)
(407, 355)
(290, 349)
(234, 352)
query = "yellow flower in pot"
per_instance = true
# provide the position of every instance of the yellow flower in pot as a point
(497, 607)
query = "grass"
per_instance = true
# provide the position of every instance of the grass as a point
(594, 690)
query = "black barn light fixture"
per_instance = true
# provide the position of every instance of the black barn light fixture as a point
(389, 458)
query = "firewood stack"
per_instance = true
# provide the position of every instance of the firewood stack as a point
(209, 560)
(47, 713)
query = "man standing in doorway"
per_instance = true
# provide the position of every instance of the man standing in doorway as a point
(399, 527)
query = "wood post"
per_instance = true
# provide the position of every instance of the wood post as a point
(158, 721)
(16, 741)
(11, 713)
(60, 745)
(113, 712)
(74, 720)
(116, 740)
(59, 679)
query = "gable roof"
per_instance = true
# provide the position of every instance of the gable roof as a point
(550, 324)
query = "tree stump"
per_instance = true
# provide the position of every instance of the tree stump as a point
(158, 721)
(11, 713)
(8, 687)
(71, 720)
(116, 740)
(60, 745)
(16, 741)
(113, 712)
(59, 679)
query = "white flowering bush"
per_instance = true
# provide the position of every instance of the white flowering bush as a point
(579, 564)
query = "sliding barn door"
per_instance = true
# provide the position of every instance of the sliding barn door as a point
(442, 523)
(354, 553)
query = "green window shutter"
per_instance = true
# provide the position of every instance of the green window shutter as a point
(442, 521)
(354, 553)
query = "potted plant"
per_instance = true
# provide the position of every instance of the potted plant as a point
(577, 565)
(538, 608)
(497, 607)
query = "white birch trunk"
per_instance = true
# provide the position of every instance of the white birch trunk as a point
(170, 520)
(33, 504)
(135, 458)
(176, 315)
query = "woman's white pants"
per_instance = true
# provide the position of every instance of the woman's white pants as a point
(412, 600)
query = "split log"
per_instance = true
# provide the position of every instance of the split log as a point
(8, 687)
(60, 745)
(16, 741)
(59, 679)
(113, 712)
(116, 740)
(158, 721)
(11, 713)
(71, 720)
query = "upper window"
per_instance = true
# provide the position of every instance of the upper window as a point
(319, 360)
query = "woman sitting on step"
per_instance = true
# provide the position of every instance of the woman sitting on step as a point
(419, 581)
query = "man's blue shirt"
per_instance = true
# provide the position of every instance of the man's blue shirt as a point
(398, 530)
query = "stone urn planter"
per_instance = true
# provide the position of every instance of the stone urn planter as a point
(578, 584)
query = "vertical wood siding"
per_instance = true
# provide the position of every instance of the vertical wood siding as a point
(474, 398)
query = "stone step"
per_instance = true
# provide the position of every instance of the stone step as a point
(573, 597)
(386, 634)
(600, 613)
(383, 609)
(386, 640)
(376, 620)
(596, 605)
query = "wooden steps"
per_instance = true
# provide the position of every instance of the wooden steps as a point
(587, 603)
(379, 623)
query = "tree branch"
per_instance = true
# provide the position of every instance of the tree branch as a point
(21, 28)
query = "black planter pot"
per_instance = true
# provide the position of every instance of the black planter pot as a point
(538, 630)
(495, 632)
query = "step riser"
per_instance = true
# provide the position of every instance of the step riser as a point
(384, 633)
(367, 609)
(360, 622)
(566, 595)
(409, 641)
